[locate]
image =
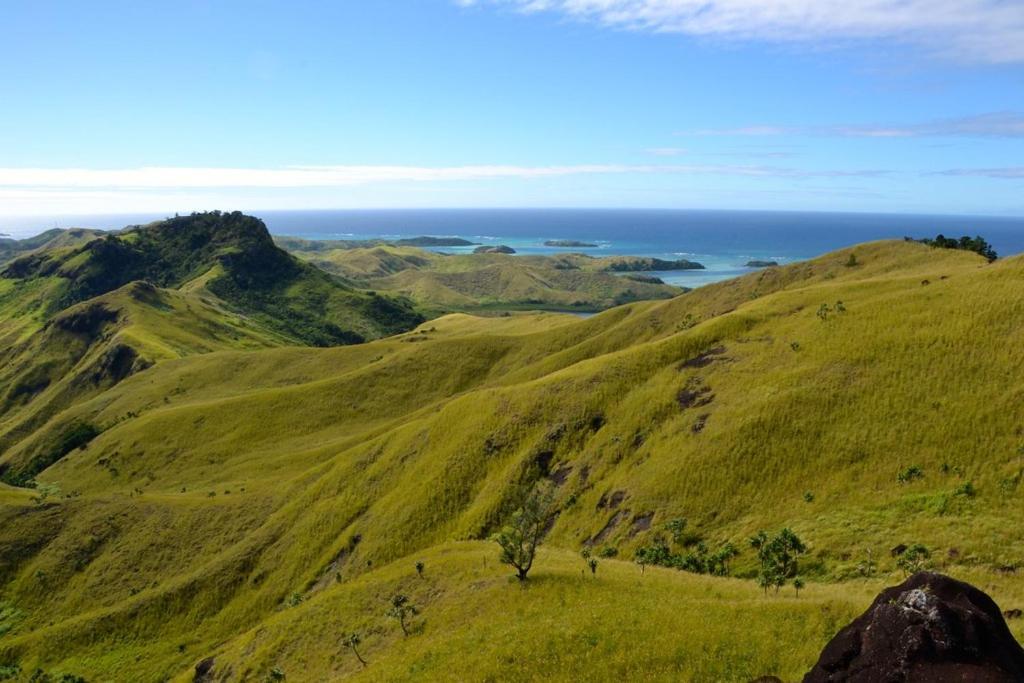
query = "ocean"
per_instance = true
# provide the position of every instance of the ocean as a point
(721, 240)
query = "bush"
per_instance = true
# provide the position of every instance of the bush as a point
(913, 559)
(910, 474)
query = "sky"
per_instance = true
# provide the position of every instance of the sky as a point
(912, 106)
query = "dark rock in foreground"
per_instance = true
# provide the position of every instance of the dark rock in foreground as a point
(929, 628)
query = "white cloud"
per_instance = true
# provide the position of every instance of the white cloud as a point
(51, 191)
(970, 30)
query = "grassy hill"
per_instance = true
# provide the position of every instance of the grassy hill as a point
(255, 505)
(488, 281)
(83, 310)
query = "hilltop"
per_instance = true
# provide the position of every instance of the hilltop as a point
(82, 310)
(254, 506)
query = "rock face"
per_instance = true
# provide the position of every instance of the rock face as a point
(929, 628)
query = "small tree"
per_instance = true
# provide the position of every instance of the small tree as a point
(419, 569)
(798, 583)
(642, 558)
(352, 641)
(402, 609)
(778, 557)
(592, 563)
(677, 529)
(913, 559)
(520, 538)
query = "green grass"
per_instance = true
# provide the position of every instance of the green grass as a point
(411, 444)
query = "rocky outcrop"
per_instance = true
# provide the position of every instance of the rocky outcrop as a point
(929, 628)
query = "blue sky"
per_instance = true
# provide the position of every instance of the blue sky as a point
(870, 105)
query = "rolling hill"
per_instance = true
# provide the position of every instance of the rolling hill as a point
(481, 282)
(232, 514)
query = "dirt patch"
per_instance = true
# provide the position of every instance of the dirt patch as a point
(705, 359)
(560, 475)
(204, 671)
(694, 394)
(612, 500)
(542, 461)
(641, 522)
(608, 528)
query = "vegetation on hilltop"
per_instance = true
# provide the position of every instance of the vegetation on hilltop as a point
(977, 244)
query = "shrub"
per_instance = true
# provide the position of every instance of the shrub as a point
(913, 559)
(910, 474)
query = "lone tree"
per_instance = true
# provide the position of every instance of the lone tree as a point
(798, 583)
(525, 529)
(352, 641)
(419, 568)
(402, 609)
(778, 557)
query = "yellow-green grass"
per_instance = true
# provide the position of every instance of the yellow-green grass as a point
(413, 442)
(478, 282)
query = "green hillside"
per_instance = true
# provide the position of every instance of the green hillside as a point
(490, 281)
(254, 504)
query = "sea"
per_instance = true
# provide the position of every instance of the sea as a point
(723, 241)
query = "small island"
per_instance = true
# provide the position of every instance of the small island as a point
(433, 242)
(632, 264)
(761, 264)
(499, 249)
(572, 244)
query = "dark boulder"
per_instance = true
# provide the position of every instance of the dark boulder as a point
(929, 628)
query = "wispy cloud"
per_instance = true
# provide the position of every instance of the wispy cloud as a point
(989, 31)
(1010, 172)
(339, 176)
(1007, 124)
(667, 151)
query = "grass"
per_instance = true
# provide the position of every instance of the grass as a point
(443, 283)
(228, 481)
